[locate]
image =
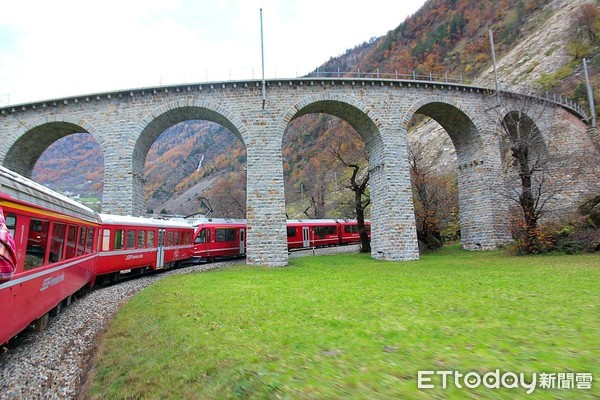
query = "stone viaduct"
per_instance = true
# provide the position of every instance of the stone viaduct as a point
(126, 123)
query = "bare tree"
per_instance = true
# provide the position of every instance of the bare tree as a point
(358, 183)
(427, 194)
(530, 168)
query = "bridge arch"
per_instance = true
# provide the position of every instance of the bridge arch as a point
(157, 121)
(364, 120)
(34, 137)
(393, 234)
(482, 220)
(170, 114)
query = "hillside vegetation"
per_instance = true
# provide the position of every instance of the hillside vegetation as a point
(444, 37)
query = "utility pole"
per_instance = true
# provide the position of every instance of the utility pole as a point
(590, 93)
(262, 52)
(494, 60)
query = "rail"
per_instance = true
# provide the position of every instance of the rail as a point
(449, 79)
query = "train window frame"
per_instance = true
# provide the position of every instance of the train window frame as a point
(225, 235)
(71, 242)
(141, 239)
(131, 238)
(56, 237)
(119, 235)
(89, 245)
(324, 230)
(150, 238)
(351, 229)
(35, 259)
(106, 239)
(201, 237)
(11, 223)
(81, 240)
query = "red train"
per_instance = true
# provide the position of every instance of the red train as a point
(225, 238)
(63, 247)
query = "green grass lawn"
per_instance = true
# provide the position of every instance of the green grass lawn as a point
(346, 326)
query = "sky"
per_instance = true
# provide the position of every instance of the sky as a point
(59, 48)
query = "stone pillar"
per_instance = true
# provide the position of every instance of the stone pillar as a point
(394, 234)
(266, 222)
(481, 193)
(123, 192)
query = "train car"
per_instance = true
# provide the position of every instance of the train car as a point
(306, 233)
(56, 243)
(218, 238)
(348, 230)
(134, 245)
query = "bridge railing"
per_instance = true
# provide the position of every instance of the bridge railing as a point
(414, 76)
(459, 80)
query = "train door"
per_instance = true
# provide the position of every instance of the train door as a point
(160, 250)
(305, 236)
(242, 241)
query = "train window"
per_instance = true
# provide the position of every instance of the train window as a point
(150, 238)
(202, 236)
(224, 235)
(351, 229)
(106, 240)
(71, 242)
(11, 222)
(119, 233)
(90, 241)
(36, 243)
(291, 231)
(57, 240)
(170, 239)
(321, 231)
(130, 238)
(141, 239)
(187, 238)
(176, 238)
(81, 243)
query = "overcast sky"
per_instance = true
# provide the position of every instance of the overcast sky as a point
(56, 48)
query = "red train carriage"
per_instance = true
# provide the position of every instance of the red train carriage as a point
(348, 230)
(218, 238)
(323, 232)
(56, 245)
(133, 245)
(312, 233)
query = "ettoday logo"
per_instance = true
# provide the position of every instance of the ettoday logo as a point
(508, 380)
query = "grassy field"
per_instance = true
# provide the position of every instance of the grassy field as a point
(347, 326)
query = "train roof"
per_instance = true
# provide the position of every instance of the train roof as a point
(142, 221)
(322, 221)
(204, 221)
(23, 189)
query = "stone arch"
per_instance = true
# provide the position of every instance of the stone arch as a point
(167, 115)
(157, 121)
(456, 120)
(33, 138)
(520, 126)
(363, 119)
(480, 216)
